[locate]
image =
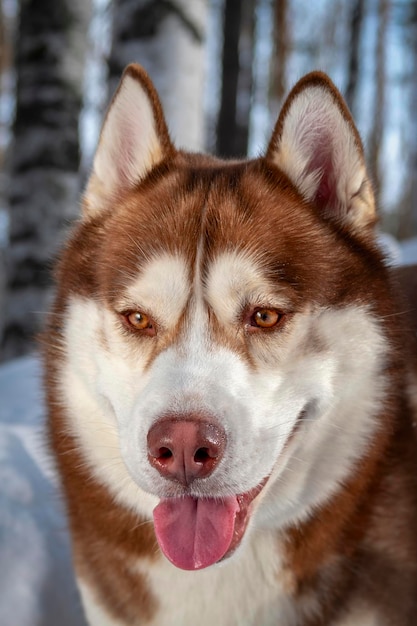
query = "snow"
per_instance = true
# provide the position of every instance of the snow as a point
(409, 251)
(398, 253)
(37, 585)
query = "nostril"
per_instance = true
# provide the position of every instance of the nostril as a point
(164, 453)
(202, 455)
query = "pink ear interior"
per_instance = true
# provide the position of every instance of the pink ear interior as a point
(322, 163)
(133, 140)
(316, 144)
(125, 157)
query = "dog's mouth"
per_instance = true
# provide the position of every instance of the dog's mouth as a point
(195, 533)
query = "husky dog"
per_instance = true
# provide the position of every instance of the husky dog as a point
(230, 380)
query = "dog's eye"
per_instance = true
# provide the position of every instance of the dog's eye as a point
(266, 318)
(140, 321)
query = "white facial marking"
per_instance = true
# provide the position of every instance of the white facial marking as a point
(162, 288)
(234, 279)
(320, 376)
(98, 387)
(344, 385)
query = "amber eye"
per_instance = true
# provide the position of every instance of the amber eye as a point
(139, 320)
(266, 318)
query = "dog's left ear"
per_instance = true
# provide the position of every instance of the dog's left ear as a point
(316, 144)
(134, 139)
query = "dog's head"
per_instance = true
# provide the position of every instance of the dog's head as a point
(222, 349)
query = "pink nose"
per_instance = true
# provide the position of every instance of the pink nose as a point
(185, 449)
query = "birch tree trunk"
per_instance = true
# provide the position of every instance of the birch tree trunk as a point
(281, 44)
(356, 24)
(5, 56)
(237, 78)
(412, 208)
(227, 122)
(407, 214)
(167, 39)
(51, 50)
(375, 138)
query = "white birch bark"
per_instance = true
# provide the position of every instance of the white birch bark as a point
(51, 49)
(168, 40)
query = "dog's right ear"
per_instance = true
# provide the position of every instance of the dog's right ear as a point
(133, 140)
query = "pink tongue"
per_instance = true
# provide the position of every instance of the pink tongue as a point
(194, 533)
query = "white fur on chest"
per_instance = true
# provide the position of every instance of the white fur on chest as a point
(246, 591)
(251, 590)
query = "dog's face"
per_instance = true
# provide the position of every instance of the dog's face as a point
(222, 344)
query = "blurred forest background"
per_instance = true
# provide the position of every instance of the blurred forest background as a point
(222, 67)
